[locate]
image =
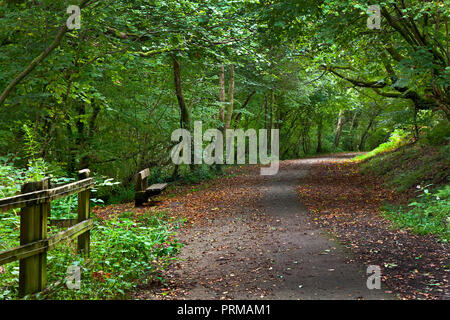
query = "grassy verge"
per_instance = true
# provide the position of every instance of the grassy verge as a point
(396, 140)
(421, 170)
(428, 214)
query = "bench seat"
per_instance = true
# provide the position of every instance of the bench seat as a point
(155, 189)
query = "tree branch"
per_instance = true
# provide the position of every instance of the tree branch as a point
(36, 61)
(356, 82)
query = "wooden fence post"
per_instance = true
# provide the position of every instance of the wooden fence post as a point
(84, 212)
(33, 227)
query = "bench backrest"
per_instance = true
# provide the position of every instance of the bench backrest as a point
(141, 180)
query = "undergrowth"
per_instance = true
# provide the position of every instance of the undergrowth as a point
(424, 166)
(128, 250)
(428, 214)
(396, 140)
(125, 252)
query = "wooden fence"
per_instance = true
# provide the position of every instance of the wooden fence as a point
(35, 202)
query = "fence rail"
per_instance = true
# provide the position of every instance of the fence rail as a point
(43, 196)
(34, 203)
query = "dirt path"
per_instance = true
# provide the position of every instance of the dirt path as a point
(271, 252)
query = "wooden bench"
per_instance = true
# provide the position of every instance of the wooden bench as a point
(143, 191)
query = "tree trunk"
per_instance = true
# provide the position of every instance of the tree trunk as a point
(366, 132)
(305, 139)
(339, 127)
(86, 159)
(319, 135)
(222, 94)
(230, 104)
(185, 120)
(354, 127)
(239, 115)
(416, 127)
(266, 106)
(272, 105)
(71, 148)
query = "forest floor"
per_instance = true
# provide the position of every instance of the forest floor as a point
(251, 237)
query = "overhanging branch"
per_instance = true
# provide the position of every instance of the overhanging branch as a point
(36, 61)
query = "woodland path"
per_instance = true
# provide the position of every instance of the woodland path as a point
(264, 246)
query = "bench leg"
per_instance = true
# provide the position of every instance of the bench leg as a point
(138, 202)
(139, 199)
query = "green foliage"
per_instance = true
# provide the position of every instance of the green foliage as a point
(121, 194)
(200, 173)
(127, 248)
(126, 251)
(396, 140)
(410, 165)
(12, 177)
(31, 145)
(438, 134)
(429, 214)
(104, 188)
(37, 169)
(9, 228)
(102, 81)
